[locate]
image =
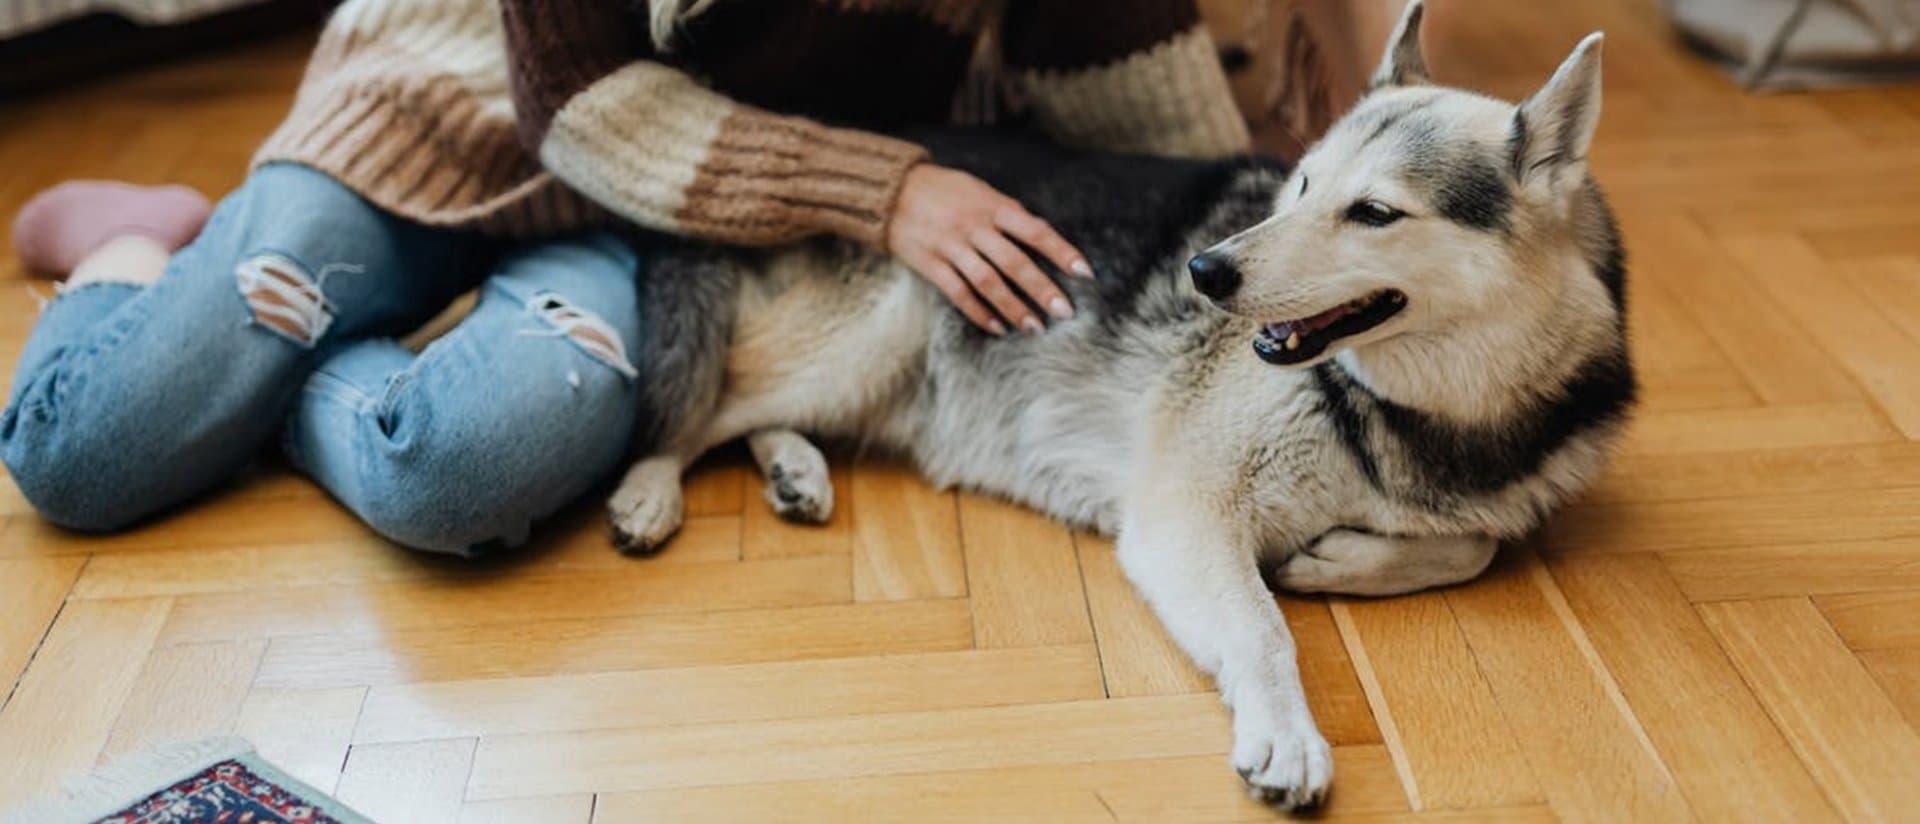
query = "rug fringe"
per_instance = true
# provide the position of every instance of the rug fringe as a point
(127, 779)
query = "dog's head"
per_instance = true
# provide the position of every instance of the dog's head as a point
(1423, 210)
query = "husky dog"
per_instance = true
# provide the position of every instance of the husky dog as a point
(1417, 349)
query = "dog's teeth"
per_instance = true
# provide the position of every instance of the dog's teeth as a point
(1293, 341)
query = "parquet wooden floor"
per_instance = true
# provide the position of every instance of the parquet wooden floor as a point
(1726, 629)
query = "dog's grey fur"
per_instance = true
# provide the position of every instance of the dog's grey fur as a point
(1388, 463)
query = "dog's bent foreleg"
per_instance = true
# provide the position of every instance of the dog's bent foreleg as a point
(1360, 563)
(798, 487)
(1203, 581)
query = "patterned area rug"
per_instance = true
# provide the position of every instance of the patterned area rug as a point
(222, 780)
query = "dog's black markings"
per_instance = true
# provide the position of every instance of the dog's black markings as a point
(1454, 461)
(1115, 208)
(1390, 117)
(1517, 145)
(1464, 185)
(1349, 419)
(1610, 259)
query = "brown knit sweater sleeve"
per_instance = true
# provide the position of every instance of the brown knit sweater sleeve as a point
(651, 144)
(1123, 75)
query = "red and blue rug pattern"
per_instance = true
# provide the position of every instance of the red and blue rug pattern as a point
(227, 791)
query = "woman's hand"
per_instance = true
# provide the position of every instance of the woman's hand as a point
(959, 233)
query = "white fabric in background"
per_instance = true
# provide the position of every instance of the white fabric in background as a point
(1774, 43)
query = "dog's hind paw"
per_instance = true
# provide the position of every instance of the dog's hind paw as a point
(647, 508)
(798, 486)
(802, 494)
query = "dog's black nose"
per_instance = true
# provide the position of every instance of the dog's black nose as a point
(1214, 275)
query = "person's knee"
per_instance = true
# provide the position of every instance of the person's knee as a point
(441, 514)
(464, 487)
(72, 479)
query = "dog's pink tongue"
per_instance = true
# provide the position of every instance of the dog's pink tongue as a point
(1305, 326)
(1323, 320)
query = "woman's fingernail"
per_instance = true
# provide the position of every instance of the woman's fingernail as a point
(1032, 324)
(997, 328)
(1060, 308)
(1080, 267)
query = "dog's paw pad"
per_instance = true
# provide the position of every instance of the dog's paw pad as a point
(802, 495)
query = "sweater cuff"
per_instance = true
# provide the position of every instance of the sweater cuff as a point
(776, 178)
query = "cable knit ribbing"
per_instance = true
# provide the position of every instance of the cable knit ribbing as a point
(1160, 101)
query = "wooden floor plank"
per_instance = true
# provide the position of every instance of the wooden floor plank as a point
(1844, 322)
(1796, 569)
(1709, 729)
(1137, 656)
(1022, 578)
(64, 708)
(1144, 790)
(718, 484)
(1893, 285)
(1761, 340)
(1898, 672)
(745, 692)
(413, 781)
(31, 592)
(875, 745)
(547, 809)
(1814, 517)
(1874, 620)
(1334, 691)
(578, 546)
(1450, 743)
(637, 587)
(1775, 426)
(222, 521)
(185, 693)
(1850, 735)
(305, 732)
(604, 645)
(906, 537)
(1589, 752)
(1686, 476)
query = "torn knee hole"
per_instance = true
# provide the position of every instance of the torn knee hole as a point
(284, 298)
(592, 334)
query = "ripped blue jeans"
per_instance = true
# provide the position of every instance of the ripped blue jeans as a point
(279, 321)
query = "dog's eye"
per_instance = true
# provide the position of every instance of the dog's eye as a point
(1303, 184)
(1373, 213)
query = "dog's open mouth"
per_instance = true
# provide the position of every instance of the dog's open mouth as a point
(1289, 342)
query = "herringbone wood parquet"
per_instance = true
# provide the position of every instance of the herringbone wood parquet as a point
(1726, 629)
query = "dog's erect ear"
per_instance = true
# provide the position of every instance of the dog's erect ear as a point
(1553, 128)
(1402, 64)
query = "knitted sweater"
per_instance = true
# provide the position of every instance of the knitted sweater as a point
(528, 117)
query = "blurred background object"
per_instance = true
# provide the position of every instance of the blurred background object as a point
(1295, 65)
(1802, 43)
(49, 44)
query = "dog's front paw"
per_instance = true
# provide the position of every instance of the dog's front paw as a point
(647, 508)
(1283, 759)
(800, 490)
